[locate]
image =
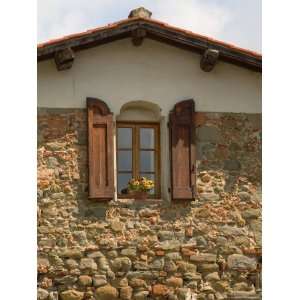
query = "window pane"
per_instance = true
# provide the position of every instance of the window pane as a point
(152, 177)
(147, 163)
(122, 182)
(125, 138)
(124, 160)
(147, 138)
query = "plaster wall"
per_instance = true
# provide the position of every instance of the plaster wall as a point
(118, 73)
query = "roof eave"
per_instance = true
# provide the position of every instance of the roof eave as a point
(157, 31)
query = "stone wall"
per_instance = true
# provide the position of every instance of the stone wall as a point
(207, 249)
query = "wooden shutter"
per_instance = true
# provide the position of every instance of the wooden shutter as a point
(182, 150)
(101, 150)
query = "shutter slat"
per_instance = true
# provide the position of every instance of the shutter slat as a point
(182, 151)
(101, 166)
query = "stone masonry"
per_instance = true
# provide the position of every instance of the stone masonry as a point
(206, 249)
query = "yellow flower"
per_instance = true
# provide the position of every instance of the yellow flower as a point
(140, 183)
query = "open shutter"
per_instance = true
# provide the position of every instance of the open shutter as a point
(101, 163)
(182, 150)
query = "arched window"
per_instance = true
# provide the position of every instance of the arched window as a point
(138, 145)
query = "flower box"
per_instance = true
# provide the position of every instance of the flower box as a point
(139, 195)
(139, 188)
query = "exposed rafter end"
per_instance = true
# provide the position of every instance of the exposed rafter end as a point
(209, 59)
(64, 59)
(138, 36)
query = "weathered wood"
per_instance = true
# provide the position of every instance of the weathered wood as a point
(101, 150)
(138, 36)
(157, 32)
(182, 151)
(199, 45)
(64, 59)
(209, 60)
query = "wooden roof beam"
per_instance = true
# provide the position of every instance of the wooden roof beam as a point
(137, 36)
(154, 31)
(64, 59)
(209, 59)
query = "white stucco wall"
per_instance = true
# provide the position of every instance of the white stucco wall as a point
(118, 72)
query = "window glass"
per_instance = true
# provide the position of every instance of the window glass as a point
(147, 139)
(124, 160)
(147, 161)
(124, 138)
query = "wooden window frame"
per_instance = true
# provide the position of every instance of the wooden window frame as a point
(136, 125)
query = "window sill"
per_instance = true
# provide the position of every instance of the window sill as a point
(127, 202)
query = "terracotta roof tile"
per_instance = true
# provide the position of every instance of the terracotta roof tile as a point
(153, 21)
(83, 33)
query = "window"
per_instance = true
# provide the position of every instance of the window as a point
(138, 149)
(138, 155)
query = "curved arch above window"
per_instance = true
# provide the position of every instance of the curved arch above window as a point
(140, 110)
